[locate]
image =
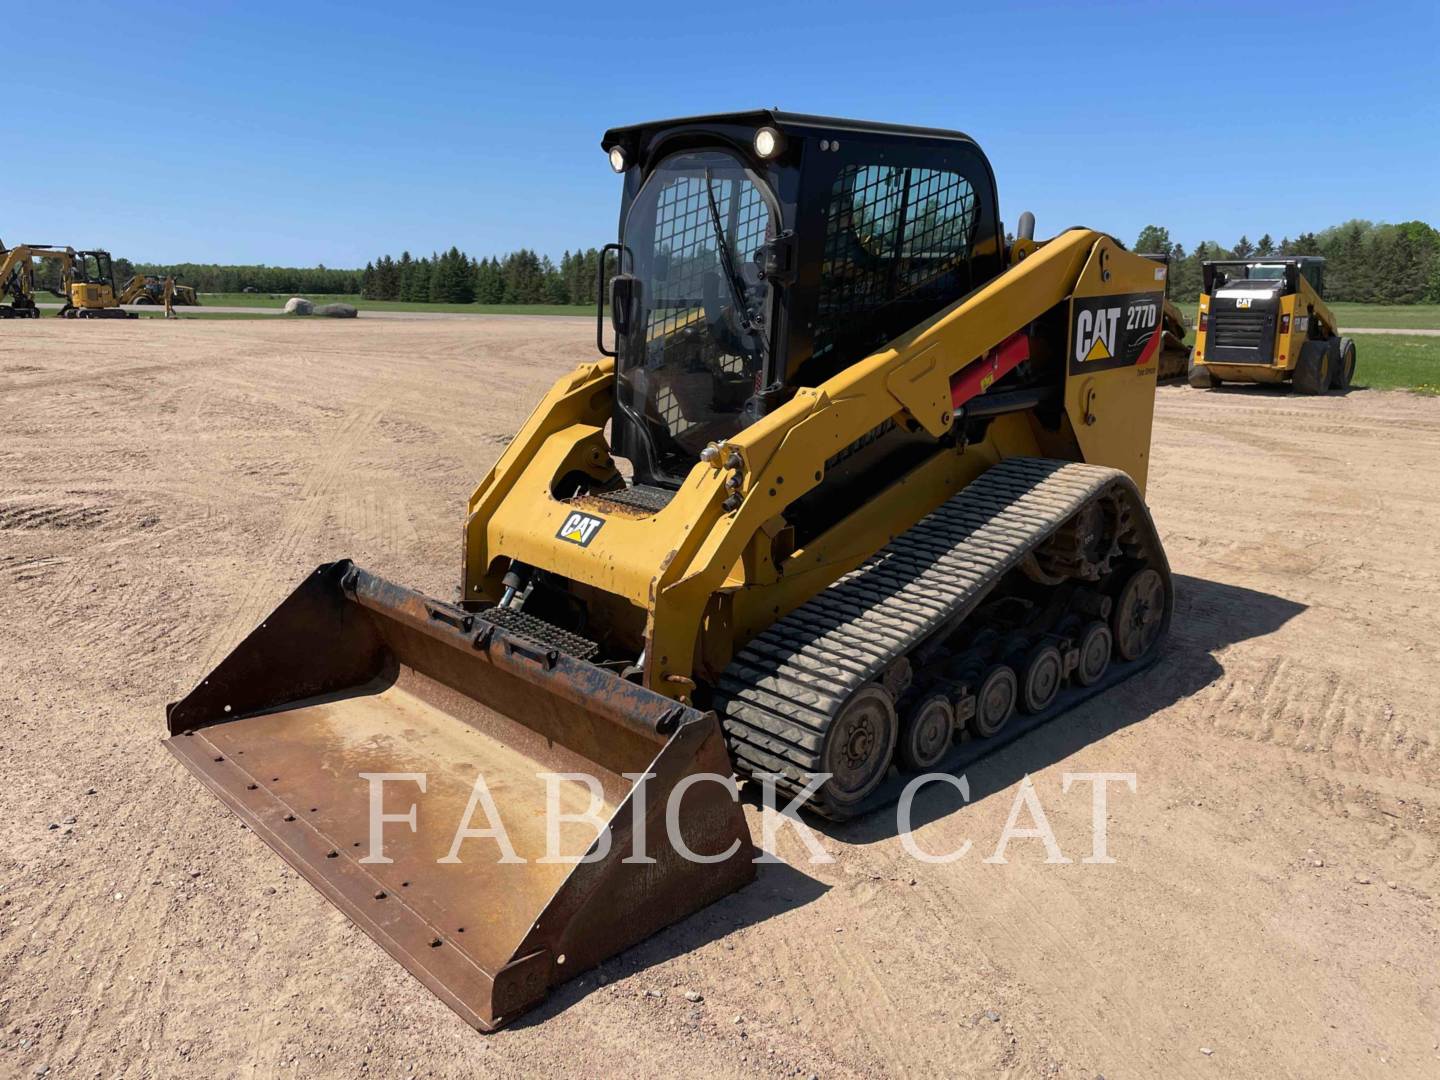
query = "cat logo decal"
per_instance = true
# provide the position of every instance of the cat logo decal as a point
(580, 528)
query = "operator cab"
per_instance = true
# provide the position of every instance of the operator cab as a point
(764, 251)
(1279, 274)
(94, 268)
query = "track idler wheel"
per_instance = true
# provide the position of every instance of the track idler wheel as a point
(859, 746)
(1140, 614)
(1044, 672)
(995, 701)
(1095, 647)
(925, 733)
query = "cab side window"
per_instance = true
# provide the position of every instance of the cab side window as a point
(897, 248)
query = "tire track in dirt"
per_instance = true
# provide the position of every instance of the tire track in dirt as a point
(103, 377)
(1322, 419)
(1310, 709)
(303, 518)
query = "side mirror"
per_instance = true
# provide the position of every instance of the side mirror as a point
(779, 259)
(601, 266)
(624, 289)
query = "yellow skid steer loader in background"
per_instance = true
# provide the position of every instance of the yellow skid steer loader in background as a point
(851, 491)
(1265, 320)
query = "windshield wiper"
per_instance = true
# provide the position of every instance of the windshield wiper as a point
(738, 292)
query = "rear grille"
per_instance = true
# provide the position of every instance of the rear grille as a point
(1240, 330)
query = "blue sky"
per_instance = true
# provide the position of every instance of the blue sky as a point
(298, 134)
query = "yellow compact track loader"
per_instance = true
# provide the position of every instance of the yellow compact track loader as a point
(850, 492)
(1265, 320)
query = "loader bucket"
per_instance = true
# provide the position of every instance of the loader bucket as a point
(353, 676)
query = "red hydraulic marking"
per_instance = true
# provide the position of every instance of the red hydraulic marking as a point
(974, 379)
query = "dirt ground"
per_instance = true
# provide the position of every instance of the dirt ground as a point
(1272, 909)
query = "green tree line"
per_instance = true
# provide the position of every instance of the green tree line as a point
(452, 277)
(207, 277)
(448, 277)
(1365, 262)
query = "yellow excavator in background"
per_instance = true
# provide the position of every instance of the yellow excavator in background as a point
(17, 276)
(87, 284)
(90, 289)
(852, 492)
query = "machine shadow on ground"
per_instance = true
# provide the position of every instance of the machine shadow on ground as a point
(1209, 615)
(1283, 390)
(777, 889)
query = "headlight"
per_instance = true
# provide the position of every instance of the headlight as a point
(617, 158)
(768, 142)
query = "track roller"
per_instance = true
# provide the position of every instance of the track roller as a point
(1043, 673)
(926, 731)
(995, 701)
(1095, 647)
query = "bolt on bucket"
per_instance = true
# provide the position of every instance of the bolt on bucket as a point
(439, 778)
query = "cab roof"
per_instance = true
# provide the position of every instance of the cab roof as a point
(797, 124)
(1251, 260)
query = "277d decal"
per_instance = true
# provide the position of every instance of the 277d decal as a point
(1114, 331)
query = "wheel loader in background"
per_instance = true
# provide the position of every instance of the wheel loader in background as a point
(1265, 320)
(851, 492)
(153, 289)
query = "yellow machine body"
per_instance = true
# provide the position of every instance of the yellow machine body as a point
(1265, 329)
(938, 508)
(90, 288)
(17, 276)
(1174, 353)
(694, 581)
(152, 289)
(93, 295)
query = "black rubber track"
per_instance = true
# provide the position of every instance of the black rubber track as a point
(782, 690)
